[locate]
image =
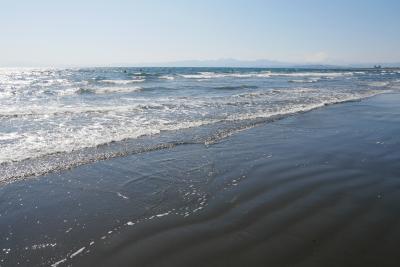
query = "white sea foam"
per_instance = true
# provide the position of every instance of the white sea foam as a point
(55, 109)
(167, 77)
(379, 84)
(313, 74)
(77, 252)
(304, 81)
(59, 262)
(98, 90)
(67, 138)
(211, 75)
(68, 91)
(296, 108)
(123, 82)
(108, 90)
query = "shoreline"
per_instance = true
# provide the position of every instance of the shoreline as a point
(315, 189)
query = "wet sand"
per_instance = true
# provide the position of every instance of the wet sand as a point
(315, 189)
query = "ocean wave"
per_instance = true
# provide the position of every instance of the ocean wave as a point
(264, 74)
(238, 87)
(283, 91)
(167, 77)
(37, 144)
(304, 81)
(6, 94)
(57, 110)
(299, 108)
(111, 90)
(97, 90)
(314, 74)
(212, 75)
(123, 82)
(125, 109)
(378, 84)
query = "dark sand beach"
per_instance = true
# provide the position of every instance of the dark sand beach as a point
(320, 188)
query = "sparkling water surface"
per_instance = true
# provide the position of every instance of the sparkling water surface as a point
(57, 118)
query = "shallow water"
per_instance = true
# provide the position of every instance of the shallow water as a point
(59, 118)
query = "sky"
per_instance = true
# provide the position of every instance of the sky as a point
(102, 33)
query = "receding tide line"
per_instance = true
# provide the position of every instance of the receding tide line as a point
(11, 172)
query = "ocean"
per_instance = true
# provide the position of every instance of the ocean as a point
(54, 119)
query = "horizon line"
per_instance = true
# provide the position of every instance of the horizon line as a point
(211, 63)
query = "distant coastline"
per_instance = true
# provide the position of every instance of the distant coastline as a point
(214, 63)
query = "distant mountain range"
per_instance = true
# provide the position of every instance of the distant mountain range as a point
(233, 63)
(261, 63)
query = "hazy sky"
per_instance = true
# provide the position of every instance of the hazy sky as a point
(79, 32)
